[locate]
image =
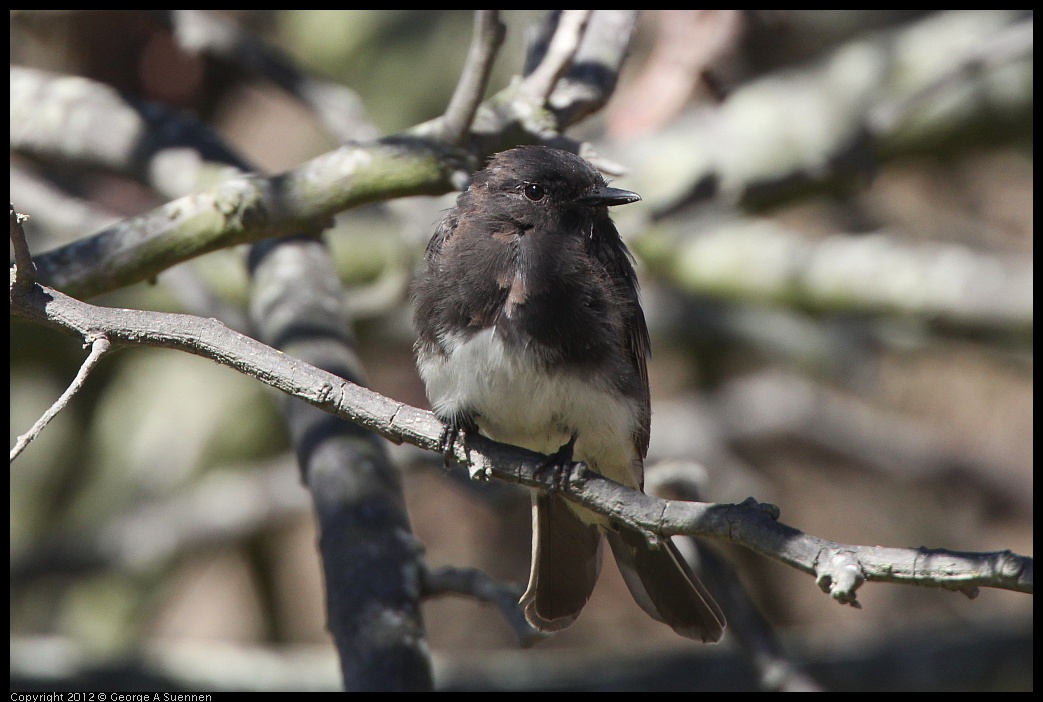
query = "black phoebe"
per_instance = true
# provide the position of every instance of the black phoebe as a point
(530, 331)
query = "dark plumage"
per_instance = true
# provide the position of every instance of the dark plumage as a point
(530, 331)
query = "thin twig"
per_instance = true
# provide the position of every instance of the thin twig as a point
(99, 347)
(488, 36)
(24, 272)
(563, 46)
(471, 582)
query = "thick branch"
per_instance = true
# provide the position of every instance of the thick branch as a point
(370, 558)
(91, 124)
(249, 208)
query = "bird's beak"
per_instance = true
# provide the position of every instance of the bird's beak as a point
(607, 196)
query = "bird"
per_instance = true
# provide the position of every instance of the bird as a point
(530, 331)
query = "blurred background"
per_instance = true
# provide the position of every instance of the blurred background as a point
(835, 252)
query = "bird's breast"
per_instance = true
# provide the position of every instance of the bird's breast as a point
(518, 399)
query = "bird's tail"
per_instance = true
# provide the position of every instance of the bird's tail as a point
(566, 561)
(666, 588)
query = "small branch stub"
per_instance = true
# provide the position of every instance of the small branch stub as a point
(840, 577)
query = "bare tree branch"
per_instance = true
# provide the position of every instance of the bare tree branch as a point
(24, 271)
(563, 46)
(839, 569)
(93, 125)
(472, 582)
(582, 74)
(249, 208)
(591, 79)
(99, 347)
(371, 560)
(489, 33)
(776, 667)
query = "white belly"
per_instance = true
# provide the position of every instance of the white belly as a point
(517, 402)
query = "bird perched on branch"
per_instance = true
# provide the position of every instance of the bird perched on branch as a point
(531, 333)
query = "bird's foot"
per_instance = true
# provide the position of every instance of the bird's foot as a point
(454, 429)
(558, 463)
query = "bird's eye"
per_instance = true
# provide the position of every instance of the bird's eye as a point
(534, 191)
